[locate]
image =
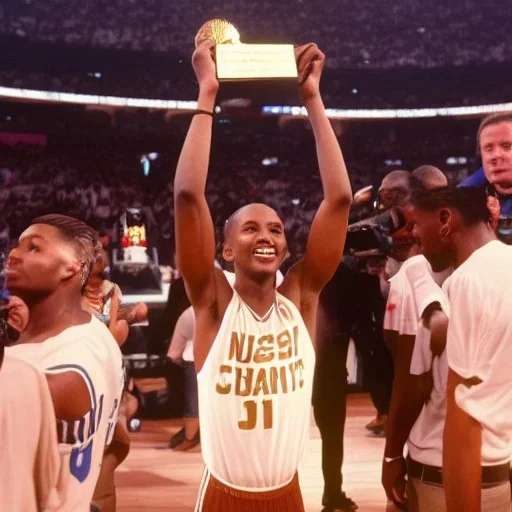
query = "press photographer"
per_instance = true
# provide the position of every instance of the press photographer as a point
(377, 245)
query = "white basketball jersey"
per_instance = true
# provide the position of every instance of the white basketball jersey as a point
(255, 396)
(91, 351)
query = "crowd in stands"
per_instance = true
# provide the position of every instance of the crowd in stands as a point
(97, 185)
(370, 34)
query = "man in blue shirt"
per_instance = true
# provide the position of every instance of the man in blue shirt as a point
(494, 142)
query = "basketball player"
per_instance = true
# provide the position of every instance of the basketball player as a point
(402, 323)
(252, 348)
(454, 230)
(80, 358)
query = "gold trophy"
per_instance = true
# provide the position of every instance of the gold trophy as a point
(237, 61)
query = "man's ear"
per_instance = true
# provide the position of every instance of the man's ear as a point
(446, 217)
(71, 269)
(446, 222)
(227, 253)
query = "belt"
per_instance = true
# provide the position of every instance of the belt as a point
(434, 475)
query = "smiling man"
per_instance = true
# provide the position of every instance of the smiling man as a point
(253, 348)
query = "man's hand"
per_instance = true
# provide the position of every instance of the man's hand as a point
(310, 64)
(204, 67)
(393, 480)
(17, 314)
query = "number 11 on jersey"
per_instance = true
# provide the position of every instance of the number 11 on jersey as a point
(251, 411)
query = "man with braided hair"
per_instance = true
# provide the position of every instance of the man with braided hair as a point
(81, 360)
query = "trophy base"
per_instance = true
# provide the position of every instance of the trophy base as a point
(249, 62)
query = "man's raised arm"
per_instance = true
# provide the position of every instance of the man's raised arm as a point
(195, 237)
(329, 228)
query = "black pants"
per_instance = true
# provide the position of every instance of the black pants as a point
(330, 408)
(378, 369)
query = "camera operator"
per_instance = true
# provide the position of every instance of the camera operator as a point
(29, 458)
(392, 194)
(402, 329)
(380, 244)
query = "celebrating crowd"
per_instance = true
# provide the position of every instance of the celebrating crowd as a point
(377, 35)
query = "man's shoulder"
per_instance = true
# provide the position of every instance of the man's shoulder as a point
(83, 345)
(86, 336)
(419, 259)
(14, 365)
(22, 381)
(483, 262)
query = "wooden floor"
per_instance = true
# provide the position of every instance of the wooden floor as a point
(154, 478)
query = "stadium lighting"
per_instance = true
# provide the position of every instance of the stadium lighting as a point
(453, 160)
(270, 161)
(333, 113)
(400, 113)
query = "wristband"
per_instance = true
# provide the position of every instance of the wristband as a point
(200, 111)
(387, 460)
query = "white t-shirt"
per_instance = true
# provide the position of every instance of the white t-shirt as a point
(91, 351)
(182, 346)
(479, 344)
(30, 478)
(401, 312)
(425, 443)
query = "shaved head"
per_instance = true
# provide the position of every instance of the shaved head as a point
(430, 176)
(396, 179)
(249, 210)
(254, 240)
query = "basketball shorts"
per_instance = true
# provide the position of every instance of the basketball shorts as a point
(214, 496)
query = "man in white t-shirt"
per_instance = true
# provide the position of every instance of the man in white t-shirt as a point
(428, 359)
(181, 352)
(402, 324)
(79, 357)
(453, 228)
